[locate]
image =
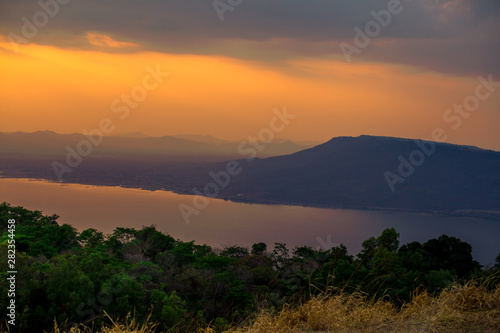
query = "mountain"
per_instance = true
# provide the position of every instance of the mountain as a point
(277, 147)
(132, 135)
(131, 144)
(203, 138)
(362, 172)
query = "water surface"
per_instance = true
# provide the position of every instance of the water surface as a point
(228, 223)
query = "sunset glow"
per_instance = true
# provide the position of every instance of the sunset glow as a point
(69, 86)
(69, 90)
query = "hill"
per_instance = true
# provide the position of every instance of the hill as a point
(375, 172)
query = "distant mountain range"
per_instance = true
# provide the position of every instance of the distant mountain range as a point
(213, 140)
(135, 143)
(365, 172)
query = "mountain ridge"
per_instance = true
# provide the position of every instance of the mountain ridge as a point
(352, 172)
(52, 143)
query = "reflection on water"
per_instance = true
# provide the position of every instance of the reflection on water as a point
(228, 223)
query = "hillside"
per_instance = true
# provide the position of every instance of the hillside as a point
(352, 171)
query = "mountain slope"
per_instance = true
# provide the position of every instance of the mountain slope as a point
(351, 172)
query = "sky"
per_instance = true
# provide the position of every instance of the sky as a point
(343, 68)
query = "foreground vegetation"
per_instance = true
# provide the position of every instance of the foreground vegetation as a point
(88, 280)
(466, 308)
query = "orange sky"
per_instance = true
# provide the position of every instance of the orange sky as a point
(71, 90)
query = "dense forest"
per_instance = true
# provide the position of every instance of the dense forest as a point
(69, 276)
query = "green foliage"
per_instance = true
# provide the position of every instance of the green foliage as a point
(91, 237)
(280, 256)
(368, 249)
(221, 325)
(75, 277)
(452, 254)
(437, 280)
(234, 251)
(259, 248)
(24, 216)
(389, 239)
(173, 309)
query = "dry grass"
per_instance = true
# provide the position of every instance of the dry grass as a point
(127, 325)
(469, 308)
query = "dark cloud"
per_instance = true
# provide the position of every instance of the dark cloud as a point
(456, 36)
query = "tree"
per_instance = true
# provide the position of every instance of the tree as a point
(280, 256)
(91, 237)
(173, 309)
(147, 244)
(389, 239)
(234, 251)
(414, 257)
(339, 253)
(124, 235)
(24, 216)
(437, 280)
(304, 252)
(119, 239)
(259, 249)
(368, 248)
(451, 253)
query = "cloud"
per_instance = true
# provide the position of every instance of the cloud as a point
(98, 39)
(452, 36)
